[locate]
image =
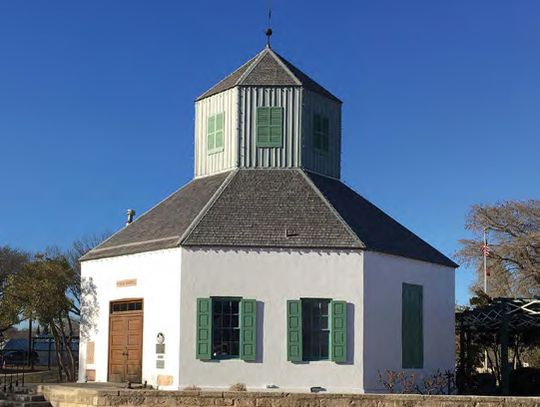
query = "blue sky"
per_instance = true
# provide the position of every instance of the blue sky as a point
(441, 104)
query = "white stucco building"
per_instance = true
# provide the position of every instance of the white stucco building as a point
(265, 269)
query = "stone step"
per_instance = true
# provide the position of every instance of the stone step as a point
(14, 403)
(25, 397)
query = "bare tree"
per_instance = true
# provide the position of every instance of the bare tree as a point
(514, 241)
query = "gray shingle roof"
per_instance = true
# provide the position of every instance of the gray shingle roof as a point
(267, 68)
(268, 208)
(271, 208)
(377, 231)
(163, 225)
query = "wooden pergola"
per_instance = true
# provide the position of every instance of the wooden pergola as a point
(505, 316)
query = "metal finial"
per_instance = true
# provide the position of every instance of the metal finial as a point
(268, 35)
(269, 29)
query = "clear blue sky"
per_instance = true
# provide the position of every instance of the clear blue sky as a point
(441, 104)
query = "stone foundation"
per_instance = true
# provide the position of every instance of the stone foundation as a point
(88, 396)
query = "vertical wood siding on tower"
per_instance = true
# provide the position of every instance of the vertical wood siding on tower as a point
(226, 102)
(327, 163)
(289, 155)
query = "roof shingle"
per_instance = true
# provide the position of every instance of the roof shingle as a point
(279, 208)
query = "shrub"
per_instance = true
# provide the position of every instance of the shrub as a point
(238, 387)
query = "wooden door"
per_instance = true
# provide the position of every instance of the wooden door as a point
(125, 341)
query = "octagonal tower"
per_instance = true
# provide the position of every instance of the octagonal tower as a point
(267, 114)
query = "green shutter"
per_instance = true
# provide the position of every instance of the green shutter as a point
(338, 331)
(294, 330)
(321, 132)
(269, 126)
(219, 131)
(214, 133)
(412, 333)
(210, 130)
(248, 329)
(204, 328)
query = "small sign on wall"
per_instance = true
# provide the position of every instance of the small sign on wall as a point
(131, 282)
(160, 343)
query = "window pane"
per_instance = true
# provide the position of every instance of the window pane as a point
(315, 333)
(226, 335)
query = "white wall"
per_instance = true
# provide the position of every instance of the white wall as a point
(383, 278)
(158, 283)
(271, 277)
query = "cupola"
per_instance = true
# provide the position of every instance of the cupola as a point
(267, 114)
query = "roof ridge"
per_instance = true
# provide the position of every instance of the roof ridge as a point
(249, 61)
(207, 207)
(331, 207)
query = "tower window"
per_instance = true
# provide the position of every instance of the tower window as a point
(214, 133)
(320, 132)
(269, 126)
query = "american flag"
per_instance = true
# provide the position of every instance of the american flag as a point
(485, 249)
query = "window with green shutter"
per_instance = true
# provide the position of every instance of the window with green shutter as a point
(316, 330)
(321, 132)
(214, 133)
(412, 333)
(226, 328)
(269, 126)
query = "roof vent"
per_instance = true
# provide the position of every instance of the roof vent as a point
(290, 233)
(130, 215)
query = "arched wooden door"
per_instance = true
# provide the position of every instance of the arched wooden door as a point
(125, 341)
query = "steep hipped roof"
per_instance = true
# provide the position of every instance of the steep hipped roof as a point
(279, 208)
(267, 68)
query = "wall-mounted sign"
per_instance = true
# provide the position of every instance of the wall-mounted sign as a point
(131, 282)
(160, 343)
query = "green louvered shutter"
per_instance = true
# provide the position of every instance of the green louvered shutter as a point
(204, 328)
(210, 133)
(338, 331)
(248, 329)
(276, 126)
(263, 126)
(269, 126)
(412, 334)
(294, 330)
(218, 135)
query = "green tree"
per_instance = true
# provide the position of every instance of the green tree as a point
(12, 262)
(47, 288)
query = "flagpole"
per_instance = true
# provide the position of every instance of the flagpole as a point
(484, 251)
(485, 260)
